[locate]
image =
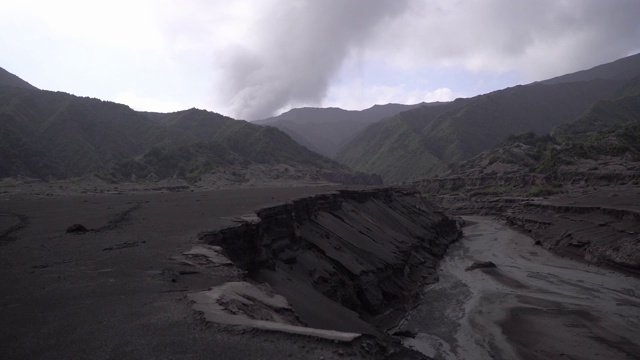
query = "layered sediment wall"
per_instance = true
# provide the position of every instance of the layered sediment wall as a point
(490, 181)
(597, 233)
(601, 235)
(522, 181)
(370, 251)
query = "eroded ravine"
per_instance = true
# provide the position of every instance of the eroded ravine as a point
(534, 305)
(348, 261)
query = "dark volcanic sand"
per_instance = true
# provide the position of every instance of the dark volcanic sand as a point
(534, 305)
(115, 293)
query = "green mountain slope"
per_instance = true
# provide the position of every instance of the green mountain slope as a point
(606, 113)
(56, 135)
(396, 148)
(466, 127)
(209, 143)
(602, 146)
(70, 136)
(489, 119)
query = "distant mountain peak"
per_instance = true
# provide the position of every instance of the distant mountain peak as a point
(9, 79)
(326, 130)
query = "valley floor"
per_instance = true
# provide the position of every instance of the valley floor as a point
(534, 305)
(117, 291)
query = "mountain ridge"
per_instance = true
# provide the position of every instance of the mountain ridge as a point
(466, 127)
(9, 79)
(621, 69)
(600, 147)
(55, 135)
(326, 130)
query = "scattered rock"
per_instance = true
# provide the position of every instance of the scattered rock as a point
(124, 245)
(288, 257)
(405, 333)
(480, 265)
(7, 234)
(77, 229)
(579, 243)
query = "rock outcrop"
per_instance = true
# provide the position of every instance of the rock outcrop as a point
(77, 229)
(481, 265)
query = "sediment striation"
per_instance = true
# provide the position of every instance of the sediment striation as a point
(598, 234)
(348, 260)
(600, 226)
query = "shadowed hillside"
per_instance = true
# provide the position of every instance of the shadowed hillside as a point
(207, 143)
(54, 135)
(326, 130)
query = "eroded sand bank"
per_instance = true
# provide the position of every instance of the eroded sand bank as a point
(534, 305)
(139, 282)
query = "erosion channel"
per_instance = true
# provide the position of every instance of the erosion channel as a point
(334, 265)
(532, 305)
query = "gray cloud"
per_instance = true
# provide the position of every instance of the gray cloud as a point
(536, 38)
(299, 48)
(250, 58)
(294, 51)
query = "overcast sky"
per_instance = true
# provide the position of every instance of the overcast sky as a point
(250, 59)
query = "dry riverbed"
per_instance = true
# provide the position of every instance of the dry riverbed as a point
(534, 305)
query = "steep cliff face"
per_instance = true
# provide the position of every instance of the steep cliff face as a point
(369, 251)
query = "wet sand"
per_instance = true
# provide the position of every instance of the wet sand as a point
(534, 305)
